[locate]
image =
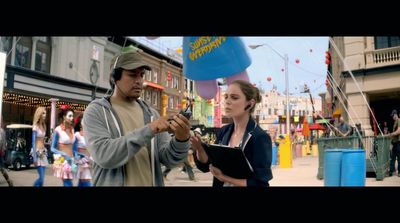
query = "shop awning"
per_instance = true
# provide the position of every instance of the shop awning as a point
(316, 127)
(154, 85)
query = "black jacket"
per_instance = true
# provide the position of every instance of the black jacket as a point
(258, 151)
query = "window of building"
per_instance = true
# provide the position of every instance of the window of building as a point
(147, 96)
(171, 102)
(188, 85)
(191, 85)
(148, 75)
(386, 41)
(43, 54)
(142, 95)
(155, 75)
(269, 111)
(168, 83)
(176, 101)
(175, 82)
(154, 98)
(6, 43)
(23, 52)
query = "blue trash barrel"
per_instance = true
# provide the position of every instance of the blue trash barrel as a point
(274, 155)
(332, 167)
(310, 120)
(353, 168)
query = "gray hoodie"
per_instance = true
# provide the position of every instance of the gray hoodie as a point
(111, 148)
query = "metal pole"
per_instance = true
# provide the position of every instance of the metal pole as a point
(287, 95)
(53, 113)
(3, 58)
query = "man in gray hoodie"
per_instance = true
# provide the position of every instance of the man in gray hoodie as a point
(127, 139)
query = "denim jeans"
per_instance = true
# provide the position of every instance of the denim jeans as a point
(395, 154)
(41, 171)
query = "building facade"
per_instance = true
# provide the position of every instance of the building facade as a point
(270, 113)
(76, 70)
(375, 64)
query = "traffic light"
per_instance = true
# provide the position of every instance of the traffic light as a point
(328, 57)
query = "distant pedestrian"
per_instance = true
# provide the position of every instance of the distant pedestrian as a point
(385, 128)
(395, 136)
(187, 164)
(84, 161)
(39, 151)
(3, 169)
(64, 147)
(343, 129)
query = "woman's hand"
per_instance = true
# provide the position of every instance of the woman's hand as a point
(196, 143)
(227, 179)
(199, 150)
(217, 173)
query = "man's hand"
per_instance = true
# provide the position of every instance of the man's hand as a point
(159, 125)
(180, 125)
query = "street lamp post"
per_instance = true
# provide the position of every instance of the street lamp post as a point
(287, 94)
(286, 59)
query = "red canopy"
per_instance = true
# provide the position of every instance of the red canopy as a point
(316, 127)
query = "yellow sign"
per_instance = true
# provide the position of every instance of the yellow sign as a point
(164, 101)
(184, 102)
(285, 151)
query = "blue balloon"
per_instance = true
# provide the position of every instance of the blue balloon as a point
(209, 58)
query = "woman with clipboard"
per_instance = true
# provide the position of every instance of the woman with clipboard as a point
(244, 133)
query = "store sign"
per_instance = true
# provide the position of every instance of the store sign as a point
(95, 52)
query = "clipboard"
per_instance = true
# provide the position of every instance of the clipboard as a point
(230, 160)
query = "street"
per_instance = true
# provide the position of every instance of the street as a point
(303, 173)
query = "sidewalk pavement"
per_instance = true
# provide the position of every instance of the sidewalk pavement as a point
(303, 173)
